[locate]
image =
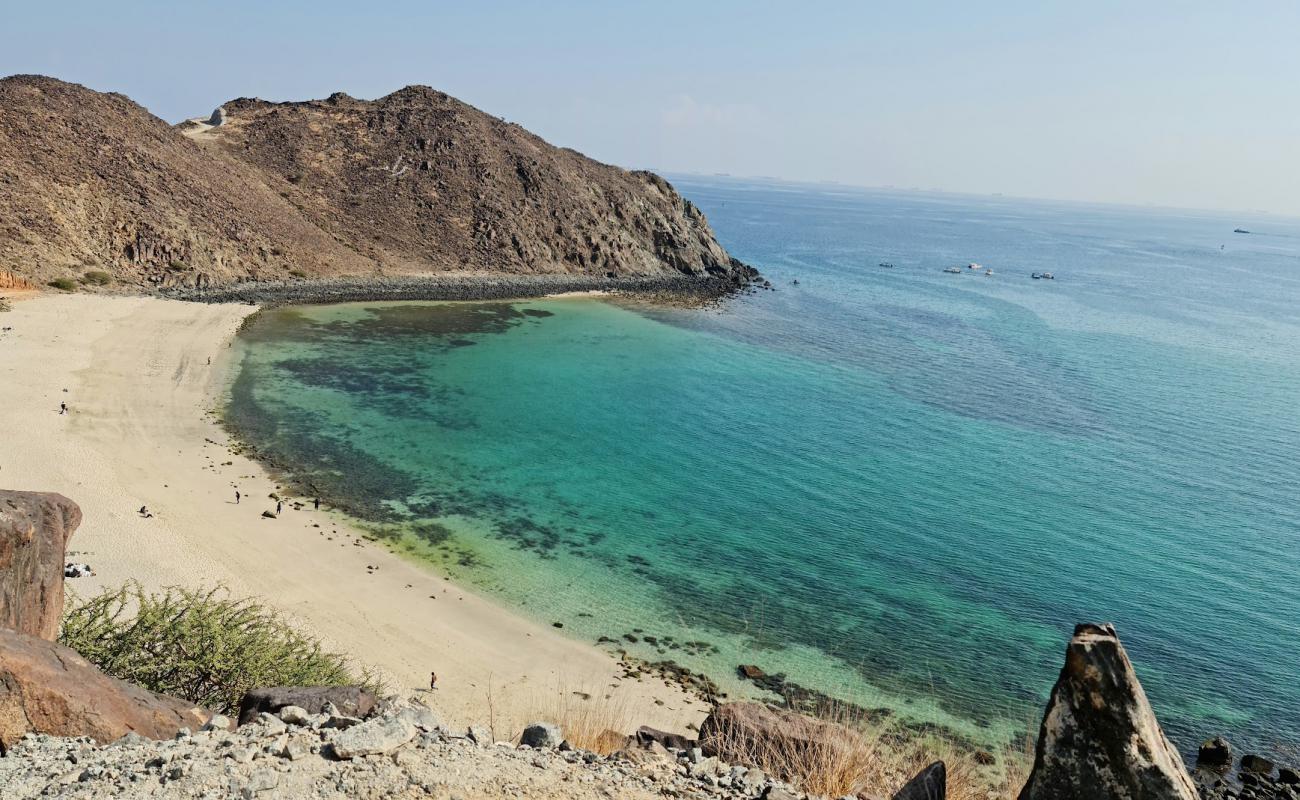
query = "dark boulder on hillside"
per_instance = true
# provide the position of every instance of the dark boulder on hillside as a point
(930, 783)
(34, 531)
(48, 688)
(351, 701)
(674, 741)
(1099, 738)
(1214, 754)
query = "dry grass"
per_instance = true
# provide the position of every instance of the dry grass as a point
(860, 756)
(589, 720)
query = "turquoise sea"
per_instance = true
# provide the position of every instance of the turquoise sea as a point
(896, 485)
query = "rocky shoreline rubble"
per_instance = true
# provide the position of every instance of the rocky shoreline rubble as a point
(402, 750)
(669, 288)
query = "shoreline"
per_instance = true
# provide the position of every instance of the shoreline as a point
(469, 286)
(142, 432)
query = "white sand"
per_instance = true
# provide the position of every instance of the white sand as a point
(140, 433)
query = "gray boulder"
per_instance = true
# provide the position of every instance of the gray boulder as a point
(376, 737)
(1099, 738)
(542, 735)
(218, 117)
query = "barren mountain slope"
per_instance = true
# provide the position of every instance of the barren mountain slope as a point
(418, 179)
(92, 181)
(414, 182)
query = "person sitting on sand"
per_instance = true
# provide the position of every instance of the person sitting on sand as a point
(144, 512)
(63, 408)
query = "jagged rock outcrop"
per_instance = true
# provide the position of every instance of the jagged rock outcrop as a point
(47, 688)
(34, 532)
(1099, 739)
(353, 701)
(413, 183)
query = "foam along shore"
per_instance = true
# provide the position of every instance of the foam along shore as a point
(141, 377)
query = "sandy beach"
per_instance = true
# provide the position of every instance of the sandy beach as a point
(141, 377)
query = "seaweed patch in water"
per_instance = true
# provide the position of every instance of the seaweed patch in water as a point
(442, 319)
(431, 533)
(529, 535)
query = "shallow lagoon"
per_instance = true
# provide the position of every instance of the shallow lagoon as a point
(896, 485)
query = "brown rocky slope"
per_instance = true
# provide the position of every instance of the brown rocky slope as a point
(412, 183)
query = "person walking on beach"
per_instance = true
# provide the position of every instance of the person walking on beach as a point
(316, 504)
(278, 507)
(236, 497)
(433, 680)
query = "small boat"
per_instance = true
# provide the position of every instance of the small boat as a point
(988, 273)
(886, 265)
(973, 265)
(953, 270)
(1240, 230)
(1046, 276)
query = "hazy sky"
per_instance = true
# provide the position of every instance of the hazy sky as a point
(1173, 103)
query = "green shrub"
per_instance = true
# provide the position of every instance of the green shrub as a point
(64, 284)
(199, 645)
(297, 273)
(97, 277)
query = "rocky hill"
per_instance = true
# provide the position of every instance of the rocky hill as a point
(410, 184)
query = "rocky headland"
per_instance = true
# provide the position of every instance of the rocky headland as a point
(96, 191)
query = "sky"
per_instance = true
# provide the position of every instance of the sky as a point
(1185, 104)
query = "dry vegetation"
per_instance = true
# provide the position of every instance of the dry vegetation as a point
(589, 721)
(199, 645)
(875, 759)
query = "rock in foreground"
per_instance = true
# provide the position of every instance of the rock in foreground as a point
(271, 759)
(34, 531)
(48, 688)
(352, 701)
(1099, 738)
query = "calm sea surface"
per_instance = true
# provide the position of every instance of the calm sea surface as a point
(896, 485)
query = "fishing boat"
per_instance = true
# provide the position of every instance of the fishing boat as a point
(953, 270)
(1240, 230)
